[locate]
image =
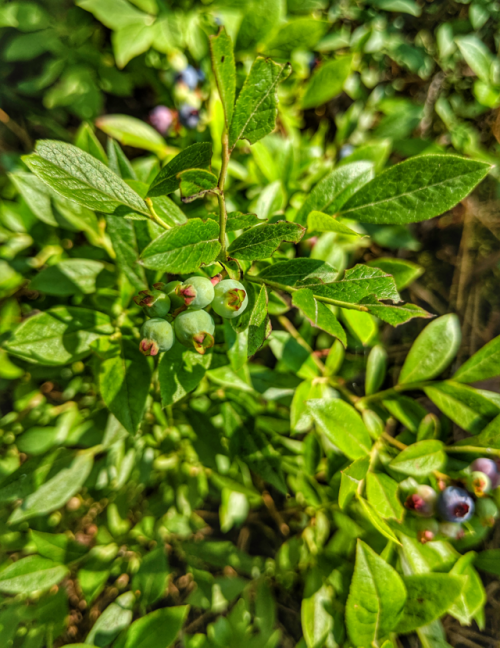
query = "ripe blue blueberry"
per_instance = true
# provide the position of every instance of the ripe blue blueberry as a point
(161, 118)
(230, 298)
(196, 292)
(155, 302)
(422, 501)
(189, 116)
(195, 330)
(455, 504)
(157, 335)
(189, 76)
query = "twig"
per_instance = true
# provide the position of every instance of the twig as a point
(154, 216)
(221, 198)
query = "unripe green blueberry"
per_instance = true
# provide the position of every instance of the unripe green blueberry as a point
(196, 292)
(479, 483)
(170, 290)
(452, 530)
(487, 511)
(230, 299)
(422, 501)
(154, 302)
(157, 335)
(195, 330)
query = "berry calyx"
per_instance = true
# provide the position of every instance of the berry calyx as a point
(157, 335)
(154, 302)
(230, 298)
(479, 483)
(196, 292)
(488, 467)
(455, 504)
(195, 330)
(422, 501)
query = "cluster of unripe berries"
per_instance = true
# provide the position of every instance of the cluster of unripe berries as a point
(455, 505)
(177, 311)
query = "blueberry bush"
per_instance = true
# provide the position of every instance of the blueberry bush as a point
(221, 426)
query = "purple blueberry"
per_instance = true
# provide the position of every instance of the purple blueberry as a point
(455, 504)
(161, 118)
(189, 76)
(489, 468)
(189, 116)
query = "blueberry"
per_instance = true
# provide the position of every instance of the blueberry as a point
(487, 511)
(422, 501)
(488, 467)
(154, 302)
(455, 504)
(170, 289)
(479, 483)
(161, 118)
(345, 151)
(451, 530)
(195, 330)
(230, 298)
(157, 335)
(196, 292)
(189, 116)
(189, 76)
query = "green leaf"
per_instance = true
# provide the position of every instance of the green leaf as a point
(158, 629)
(36, 194)
(123, 237)
(357, 285)
(259, 325)
(130, 41)
(394, 315)
(115, 618)
(376, 369)
(401, 6)
(375, 519)
(433, 635)
(59, 335)
(429, 597)
(421, 458)
(183, 248)
(489, 561)
(151, 578)
(69, 277)
(57, 546)
(376, 598)
(382, 493)
(342, 425)
(124, 380)
(477, 56)
(404, 272)
(301, 33)
(319, 314)
(299, 271)
(482, 365)
(329, 195)
(433, 350)
(80, 177)
(114, 13)
(471, 409)
(316, 621)
(118, 161)
(320, 222)
(55, 492)
(31, 574)
(415, 190)
(260, 242)
(406, 410)
(472, 597)
(224, 67)
(327, 82)
(180, 371)
(196, 156)
(489, 437)
(130, 131)
(237, 221)
(195, 181)
(259, 18)
(257, 104)
(88, 142)
(351, 478)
